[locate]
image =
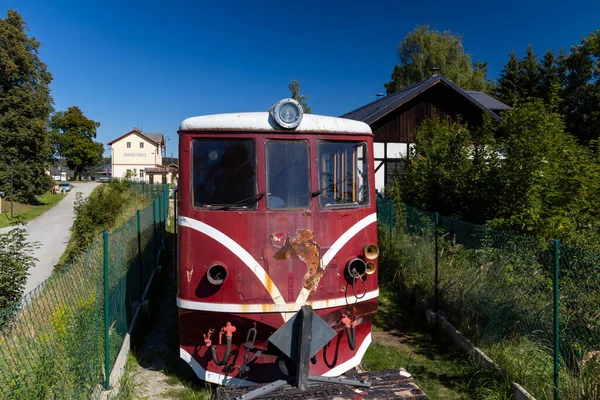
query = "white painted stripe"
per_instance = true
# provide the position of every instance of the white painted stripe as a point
(272, 308)
(239, 251)
(208, 376)
(349, 234)
(353, 362)
(335, 247)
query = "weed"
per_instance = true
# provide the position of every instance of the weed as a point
(129, 387)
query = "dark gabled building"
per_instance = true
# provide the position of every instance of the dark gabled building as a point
(394, 118)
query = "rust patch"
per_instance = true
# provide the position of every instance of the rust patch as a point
(189, 274)
(303, 246)
(307, 214)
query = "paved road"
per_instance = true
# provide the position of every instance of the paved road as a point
(52, 230)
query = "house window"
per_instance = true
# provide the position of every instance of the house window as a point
(128, 145)
(141, 172)
(393, 171)
(141, 145)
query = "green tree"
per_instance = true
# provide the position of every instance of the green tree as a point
(15, 262)
(551, 80)
(74, 136)
(294, 87)
(25, 105)
(528, 77)
(451, 169)
(424, 49)
(581, 92)
(548, 182)
(508, 86)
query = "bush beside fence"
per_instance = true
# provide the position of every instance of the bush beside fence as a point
(500, 290)
(62, 339)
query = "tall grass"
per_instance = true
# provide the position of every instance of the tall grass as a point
(497, 288)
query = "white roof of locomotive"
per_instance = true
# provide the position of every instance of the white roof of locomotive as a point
(262, 121)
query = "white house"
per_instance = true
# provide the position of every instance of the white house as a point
(140, 155)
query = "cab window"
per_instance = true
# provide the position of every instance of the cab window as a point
(287, 174)
(343, 174)
(224, 173)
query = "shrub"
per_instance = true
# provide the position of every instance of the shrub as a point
(15, 262)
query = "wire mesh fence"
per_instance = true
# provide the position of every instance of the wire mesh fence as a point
(501, 290)
(60, 340)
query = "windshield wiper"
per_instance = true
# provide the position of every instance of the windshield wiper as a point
(256, 198)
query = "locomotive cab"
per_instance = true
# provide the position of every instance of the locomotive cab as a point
(276, 211)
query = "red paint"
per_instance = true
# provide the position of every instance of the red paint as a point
(262, 233)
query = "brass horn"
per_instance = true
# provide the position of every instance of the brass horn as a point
(371, 251)
(370, 268)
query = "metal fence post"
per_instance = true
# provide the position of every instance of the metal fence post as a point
(437, 252)
(391, 218)
(154, 229)
(106, 324)
(139, 242)
(556, 327)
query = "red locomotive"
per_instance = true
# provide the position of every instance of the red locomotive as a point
(276, 210)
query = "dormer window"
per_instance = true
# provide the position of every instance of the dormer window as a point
(141, 145)
(128, 145)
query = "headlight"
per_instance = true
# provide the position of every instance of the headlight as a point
(287, 113)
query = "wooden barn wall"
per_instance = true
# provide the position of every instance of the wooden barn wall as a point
(399, 125)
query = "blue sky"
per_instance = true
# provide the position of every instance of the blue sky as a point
(152, 64)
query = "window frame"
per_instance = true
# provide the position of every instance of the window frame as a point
(309, 171)
(343, 206)
(216, 207)
(141, 145)
(128, 145)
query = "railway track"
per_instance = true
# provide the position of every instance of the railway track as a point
(390, 384)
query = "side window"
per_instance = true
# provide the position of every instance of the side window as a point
(224, 173)
(141, 145)
(343, 174)
(287, 174)
(128, 145)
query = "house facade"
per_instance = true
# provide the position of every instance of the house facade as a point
(395, 118)
(139, 156)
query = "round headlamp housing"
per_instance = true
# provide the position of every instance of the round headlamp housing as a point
(287, 113)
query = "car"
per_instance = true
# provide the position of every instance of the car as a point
(65, 187)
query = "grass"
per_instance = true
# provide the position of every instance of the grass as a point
(61, 333)
(29, 211)
(402, 340)
(129, 387)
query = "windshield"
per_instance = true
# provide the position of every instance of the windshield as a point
(343, 175)
(287, 174)
(224, 173)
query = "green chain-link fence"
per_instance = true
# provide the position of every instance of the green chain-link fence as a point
(60, 341)
(500, 289)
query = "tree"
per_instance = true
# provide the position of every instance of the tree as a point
(294, 87)
(508, 87)
(528, 78)
(548, 183)
(15, 262)
(451, 169)
(581, 92)
(551, 80)
(424, 49)
(25, 105)
(74, 136)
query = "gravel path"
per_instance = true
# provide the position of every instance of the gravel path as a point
(52, 231)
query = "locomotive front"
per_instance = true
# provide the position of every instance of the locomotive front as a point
(276, 211)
